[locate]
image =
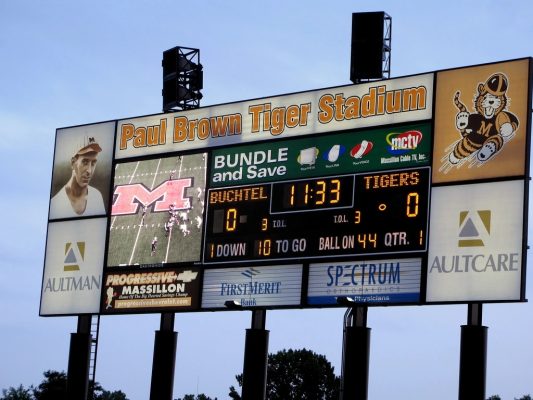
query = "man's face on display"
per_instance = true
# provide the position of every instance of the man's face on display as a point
(83, 166)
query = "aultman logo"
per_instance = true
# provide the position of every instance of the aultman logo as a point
(127, 198)
(473, 227)
(74, 253)
(74, 257)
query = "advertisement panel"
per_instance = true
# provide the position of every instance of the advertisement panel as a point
(168, 289)
(367, 282)
(72, 278)
(481, 116)
(272, 286)
(393, 101)
(475, 247)
(333, 154)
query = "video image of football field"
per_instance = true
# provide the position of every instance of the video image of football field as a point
(158, 211)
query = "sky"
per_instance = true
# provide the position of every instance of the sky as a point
(66, 63)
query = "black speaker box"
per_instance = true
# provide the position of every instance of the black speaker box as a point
(367, 46)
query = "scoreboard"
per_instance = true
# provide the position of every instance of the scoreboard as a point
(394, 192)
(344, 215)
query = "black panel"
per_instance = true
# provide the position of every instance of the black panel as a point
(367, 45)
(352, 215)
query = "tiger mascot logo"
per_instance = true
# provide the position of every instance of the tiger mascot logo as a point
(485, 131)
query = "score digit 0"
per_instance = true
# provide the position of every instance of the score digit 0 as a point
(412, 205)
(231, 219)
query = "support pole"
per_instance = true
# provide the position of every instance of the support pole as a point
(473, 362)
(164, 361)
(255, 358)
(78, 360)
(355, 354)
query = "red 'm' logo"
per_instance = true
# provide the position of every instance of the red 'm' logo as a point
(127, 198)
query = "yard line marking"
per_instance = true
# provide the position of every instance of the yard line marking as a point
(140, 227)
(133, 174)
(205, 169)
(168, 244)
(134, 246)
(155, 174)
(170, 232)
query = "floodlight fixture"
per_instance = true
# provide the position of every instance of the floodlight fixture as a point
(183, 79)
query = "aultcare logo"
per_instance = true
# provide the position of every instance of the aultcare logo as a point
(476, 249)
(473, 227)
(401, 143)
(474, 231)
(74, 256)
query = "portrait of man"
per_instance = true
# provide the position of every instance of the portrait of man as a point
(77, 192)
(81, 171)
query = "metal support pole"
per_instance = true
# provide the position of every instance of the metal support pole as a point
(255, 358)
(355, 354)
(78, 360)
(164, 361)
(473, 362)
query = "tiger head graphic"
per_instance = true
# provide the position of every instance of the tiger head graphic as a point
(484, 131)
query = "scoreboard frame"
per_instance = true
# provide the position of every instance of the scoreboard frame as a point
(289, 159)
